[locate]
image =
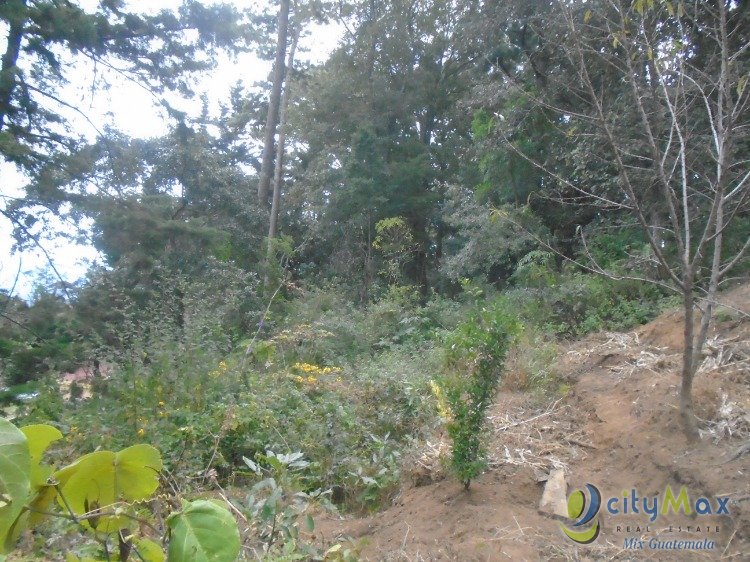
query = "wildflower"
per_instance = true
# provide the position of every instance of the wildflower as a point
(315, 370)
(141, 432)
(443, 407)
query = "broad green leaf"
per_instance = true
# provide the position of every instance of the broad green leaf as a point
(39, 437)
(100, 479)
(148, 550)
(15, 484)
(309, 523)
(137, 471)
(41, 502)
(203, 532)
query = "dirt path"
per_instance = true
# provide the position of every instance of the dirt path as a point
(616, 429)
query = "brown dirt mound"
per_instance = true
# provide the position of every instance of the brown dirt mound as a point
(618, 429)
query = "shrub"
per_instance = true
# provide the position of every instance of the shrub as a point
(104, 494)
(475, 354)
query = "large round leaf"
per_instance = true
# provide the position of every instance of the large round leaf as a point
(148, 550)
(100, 479)
(203, 532)
(15, 484)
(39, 437)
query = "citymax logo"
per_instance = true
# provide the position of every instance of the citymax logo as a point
(657, 506)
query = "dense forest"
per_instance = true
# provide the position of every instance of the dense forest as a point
(346, 261)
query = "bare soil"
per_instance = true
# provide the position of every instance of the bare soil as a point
(617, 428)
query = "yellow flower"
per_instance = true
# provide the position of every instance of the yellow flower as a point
(161, 403)
(443, 407)
(315, 369)
(141, 432)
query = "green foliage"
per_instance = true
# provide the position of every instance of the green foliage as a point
(418, 176)
(396, 244)
(38, 337)
(535, 269)
(105, 478)
(203, 532)
(482, 124)
(279, 518)
(39, 437)
(15, 480)
(56, 36)
(475, 356)
(483, 247)
(571, 303)
(100, 493)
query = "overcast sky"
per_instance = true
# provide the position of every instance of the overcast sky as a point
(132, 110)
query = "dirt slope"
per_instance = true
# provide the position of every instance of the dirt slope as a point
(618, 429)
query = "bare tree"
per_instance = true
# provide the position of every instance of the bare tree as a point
(278, 176)
(662, 87)
(274, 101)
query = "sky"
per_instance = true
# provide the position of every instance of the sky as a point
(132, 110)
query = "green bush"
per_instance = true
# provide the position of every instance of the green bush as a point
(475, 356)
(103, 494)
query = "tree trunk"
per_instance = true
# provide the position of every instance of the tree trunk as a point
(687, 413)
(9, 61)
(278, 176)
(272, 119)
(369, 269)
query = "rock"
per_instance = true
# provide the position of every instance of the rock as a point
(540, 475)
(555, 497)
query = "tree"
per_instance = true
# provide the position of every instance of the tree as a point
(278, 174)
(46, 38)
(662, 88)
(383, 134)
(274, 102)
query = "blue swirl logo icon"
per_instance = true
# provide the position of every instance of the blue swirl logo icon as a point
(583, 509)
